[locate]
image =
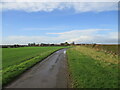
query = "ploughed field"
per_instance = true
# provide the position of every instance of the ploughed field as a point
(16, 60)
(91, 68)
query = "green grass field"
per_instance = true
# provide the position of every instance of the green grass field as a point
(17, 60)
(92, 69)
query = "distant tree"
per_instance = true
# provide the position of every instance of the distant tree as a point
(29, 44)
(33, 44)
(62, 44)
(66, 43)
(94, 45)
(73, 43)
(16, 45)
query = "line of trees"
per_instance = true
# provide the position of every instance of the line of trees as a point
(13, 46)
(44, 44)
(33, 44)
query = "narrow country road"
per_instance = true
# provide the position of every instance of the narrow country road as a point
(50, 73)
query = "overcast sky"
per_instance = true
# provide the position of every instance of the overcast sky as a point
(56, 22)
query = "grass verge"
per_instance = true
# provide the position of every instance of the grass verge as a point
(92, 69)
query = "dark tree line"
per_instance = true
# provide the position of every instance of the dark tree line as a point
(44, 44)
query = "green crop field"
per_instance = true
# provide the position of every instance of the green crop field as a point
(90, 68)
(17, 60)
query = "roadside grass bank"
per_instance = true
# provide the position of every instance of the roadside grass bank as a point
(111, 49)
(18, 60)
(92, 69)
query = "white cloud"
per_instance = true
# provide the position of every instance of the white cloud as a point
(60, 0)
(44, 28)
(54, 33)
(94, 7)
(51, 6)
(87, 31)
(79, 36)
